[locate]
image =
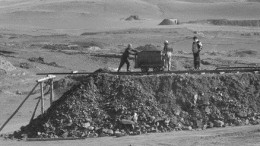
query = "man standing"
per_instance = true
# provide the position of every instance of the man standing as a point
(168, 55)
(125, 57)
(196, 48)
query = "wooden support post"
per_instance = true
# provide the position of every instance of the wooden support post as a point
(35, 109)
(42, 98)
(51, 94)
(18, 107)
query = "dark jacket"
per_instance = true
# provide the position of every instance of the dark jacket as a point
(127, 53)
(196, 47)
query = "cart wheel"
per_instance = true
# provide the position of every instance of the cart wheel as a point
(144, 69)
(157, 69)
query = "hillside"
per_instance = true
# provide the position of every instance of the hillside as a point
(106, 15)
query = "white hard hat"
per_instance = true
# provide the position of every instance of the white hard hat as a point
(129, 46)
(166, 42)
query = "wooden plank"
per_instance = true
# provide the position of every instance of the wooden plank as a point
(162, 72)
(18, 107)
(46, 78)
(239, 67)
(64, 73)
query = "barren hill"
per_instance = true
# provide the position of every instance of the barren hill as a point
(102, 14)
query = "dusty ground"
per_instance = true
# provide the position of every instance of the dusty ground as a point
(229, 136)
(27, 26)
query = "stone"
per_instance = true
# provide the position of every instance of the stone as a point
(199, 124)
(204, 127)
(195, 98)
(135, 117)
(110, 132)
(64, 135)
(207, 110)
(218, 123)
(119, 134)
(86, 125)
(242, 114)
(210, 125)
(126, 122)
(18, 92)
(91, 128)
(247, 122)
(189, 128)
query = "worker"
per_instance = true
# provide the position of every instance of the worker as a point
(167, 55)
(196, 48)
(125, 57)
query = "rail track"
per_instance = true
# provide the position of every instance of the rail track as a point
(220, 70)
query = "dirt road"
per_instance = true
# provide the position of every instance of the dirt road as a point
(229, 136)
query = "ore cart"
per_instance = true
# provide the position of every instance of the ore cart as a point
(149, 59)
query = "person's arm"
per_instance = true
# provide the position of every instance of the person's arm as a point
(200, 45)
(165, 49)
(133, 51)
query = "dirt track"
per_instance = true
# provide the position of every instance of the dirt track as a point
(229, 136)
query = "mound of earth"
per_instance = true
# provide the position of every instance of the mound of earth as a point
(88, 44)
(133, 17)
(234, 22)
(169, 22)
(41, 60)
(5, 65)
(244, 53)
(148, 47)
(104, 104)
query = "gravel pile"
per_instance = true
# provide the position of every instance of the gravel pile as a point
(148, 47)
(110, 105)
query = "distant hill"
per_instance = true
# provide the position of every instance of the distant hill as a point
(109, 14)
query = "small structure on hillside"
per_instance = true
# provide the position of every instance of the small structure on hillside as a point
(133, 17)
(169, 22)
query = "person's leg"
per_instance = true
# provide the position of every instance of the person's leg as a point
(165, 61)
(199, 64)
(120, 65)
(169, 61)
(198, 61)
(194, 61)
(169, 64)
(196, 65)
(127, 65)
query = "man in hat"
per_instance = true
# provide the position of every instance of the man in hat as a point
(125, 57)
(196, 48)
(168, 55)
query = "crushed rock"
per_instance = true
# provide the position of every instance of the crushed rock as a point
(148, 47)
(112, 105)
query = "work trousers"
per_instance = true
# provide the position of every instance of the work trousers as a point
(196, 60)
(122, 62)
